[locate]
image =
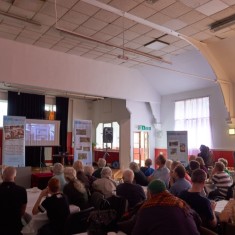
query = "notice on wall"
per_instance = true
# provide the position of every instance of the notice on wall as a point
(13, 141)
(83, 141)
(177, 146)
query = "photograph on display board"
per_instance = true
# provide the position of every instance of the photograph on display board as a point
(81, 132)
(82, 156)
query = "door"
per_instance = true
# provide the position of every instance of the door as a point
(141, 147)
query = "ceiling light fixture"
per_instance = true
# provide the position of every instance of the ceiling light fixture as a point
(156, 44)
(30, 21)
(223, 23)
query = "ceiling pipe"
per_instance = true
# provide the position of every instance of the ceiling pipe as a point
(113, 45)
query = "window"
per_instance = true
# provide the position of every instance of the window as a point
(3, 111)
(50, 107)
(193, 115)
(99, 136)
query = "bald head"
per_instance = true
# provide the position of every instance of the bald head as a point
(128, 176)
(9, 174)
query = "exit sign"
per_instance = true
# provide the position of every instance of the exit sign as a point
(144, 128)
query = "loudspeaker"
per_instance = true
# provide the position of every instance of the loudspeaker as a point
(108, 135)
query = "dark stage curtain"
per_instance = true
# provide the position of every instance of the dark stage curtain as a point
(30, 106)
(62, 106)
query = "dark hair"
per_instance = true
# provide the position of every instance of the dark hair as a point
(162, 159)
(193, 165)
(198, 176)
(180, 171)
(148, 162)
(219, 166)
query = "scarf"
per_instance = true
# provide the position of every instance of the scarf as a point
(166, 199)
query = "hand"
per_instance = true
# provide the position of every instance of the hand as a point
(44, 192)
(213, 205)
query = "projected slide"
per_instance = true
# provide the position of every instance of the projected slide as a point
(42, 133)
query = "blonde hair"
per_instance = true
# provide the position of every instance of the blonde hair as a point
(134, 166)
(88, 170)
(70, 175)
(200, 160)
(101, 162)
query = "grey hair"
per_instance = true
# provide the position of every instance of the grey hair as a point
(134, 166)
(58, 168)
(128, 175)
(106, 172)
(101, 162)
(88, 170)
(70, 175)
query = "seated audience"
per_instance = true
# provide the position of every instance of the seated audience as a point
(88, 171)
(134, 193)
(227, 214)
(101, 163)
(180, 184)
(106, 185)
(147, 170)
(191, 157)
(58, 171)
(164, 214)
(202, 205)
(193, 165)
(225, 162)
(78, 166)
(139, 177)
(13, 201)
(57, 208)
(202, 165)
(162, 172)
(221, 180)
(75, 189)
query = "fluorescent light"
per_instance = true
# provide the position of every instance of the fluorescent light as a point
(231, 131)
(156, 44)
(224, 23)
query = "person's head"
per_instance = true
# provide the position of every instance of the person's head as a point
(168, 163)
(179, 171)
(203, 148)
(106, 172)
(201, 161)
(198, 176)
(174, 164)
(78, 165)
(224, 161)
(101, 162)
(134, 166)
(148, 162)
(9, 174)
(219, 166)
(70, 173)
(88, 170)
(193, 165)
(58, 168)
(192, 157)
(155, 187)
(160, 160)
(53, 185)
(128, 176)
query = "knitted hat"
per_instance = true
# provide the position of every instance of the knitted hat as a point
(156, 186)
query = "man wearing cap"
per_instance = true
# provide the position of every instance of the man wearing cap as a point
(163, 213)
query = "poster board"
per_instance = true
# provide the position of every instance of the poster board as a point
(177, 146)
(13, 141)
(83, 141)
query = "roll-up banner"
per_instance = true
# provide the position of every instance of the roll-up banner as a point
(13, 152)
(177, 146)
(83, 141)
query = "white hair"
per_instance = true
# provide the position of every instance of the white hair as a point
(101, 162)
(128, 175)
(106, 172)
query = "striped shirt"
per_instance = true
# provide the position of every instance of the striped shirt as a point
(222, 181)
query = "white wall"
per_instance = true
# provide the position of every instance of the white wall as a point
(141, 115)
(220, 138)
(44, 68)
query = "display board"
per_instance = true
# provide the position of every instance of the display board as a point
(13, 151)
(42, 132)
(177, 146)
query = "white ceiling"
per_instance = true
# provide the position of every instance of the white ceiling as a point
(187, 70)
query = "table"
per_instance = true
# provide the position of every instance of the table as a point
(40, 180)
(40, 219)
